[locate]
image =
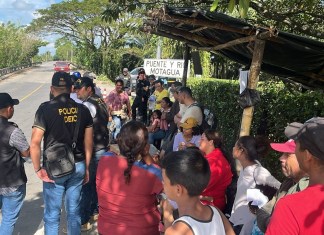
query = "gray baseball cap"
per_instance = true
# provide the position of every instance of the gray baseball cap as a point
(310, 135)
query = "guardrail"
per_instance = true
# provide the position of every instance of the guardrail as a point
(8, 70)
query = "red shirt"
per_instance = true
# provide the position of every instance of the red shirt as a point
(117, 100)
(220, 178)
(127, 209)
(299, 213)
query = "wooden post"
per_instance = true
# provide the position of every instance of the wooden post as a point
(252, 84)
(186, 62)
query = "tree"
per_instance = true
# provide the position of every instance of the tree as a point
(99, 45)
(64, 49)
(17, 46)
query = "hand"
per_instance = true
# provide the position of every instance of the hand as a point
(167, 211)
(253, 209)
(86, 177)
(190, 145)
(182, 146)
(42, 174)
(110, 119)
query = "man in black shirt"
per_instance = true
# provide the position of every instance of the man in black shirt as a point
(89, 201)
(55, 122)
(142, 95)
(13, 145)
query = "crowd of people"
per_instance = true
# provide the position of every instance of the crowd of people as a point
(169, 174)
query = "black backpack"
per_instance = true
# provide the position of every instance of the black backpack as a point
(209, 118)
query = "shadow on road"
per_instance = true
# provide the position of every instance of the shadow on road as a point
(31, 216)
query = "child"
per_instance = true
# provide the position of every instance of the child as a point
(189, 135)
(155, 132)
(185, 175)
(155, 121)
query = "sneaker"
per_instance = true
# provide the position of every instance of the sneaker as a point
(94, 217)
(86, 227)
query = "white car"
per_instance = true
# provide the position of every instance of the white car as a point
(134, 74)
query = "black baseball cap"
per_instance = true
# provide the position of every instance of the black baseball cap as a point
(310, 135)
(83, 82)
(141, 70)
(6, 100)
(61, 79)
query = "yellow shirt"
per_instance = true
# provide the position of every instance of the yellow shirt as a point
(159, 96)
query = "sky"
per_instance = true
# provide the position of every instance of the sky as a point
(21, 12)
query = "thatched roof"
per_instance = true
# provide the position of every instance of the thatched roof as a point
(287, 55)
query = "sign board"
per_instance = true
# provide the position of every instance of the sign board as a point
(165, 67)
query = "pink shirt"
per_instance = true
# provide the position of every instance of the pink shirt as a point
(127, 209)
(117, 100)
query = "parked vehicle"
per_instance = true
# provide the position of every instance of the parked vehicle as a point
(134, 74)
(62, 66)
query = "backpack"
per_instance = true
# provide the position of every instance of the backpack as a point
(209, 118)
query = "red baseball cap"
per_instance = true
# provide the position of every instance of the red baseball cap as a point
(287, 147)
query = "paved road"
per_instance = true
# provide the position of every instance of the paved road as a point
(31, 87)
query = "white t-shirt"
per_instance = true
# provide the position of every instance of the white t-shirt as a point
(91, 107)
(194, 112)
(74, 96)
(213, 227)
(240, 212)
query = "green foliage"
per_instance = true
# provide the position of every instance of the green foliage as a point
(100, 46)
(64, 50)
(214, 5)
(205, 63)
(278, 107)
(17, 46)
(294, 16)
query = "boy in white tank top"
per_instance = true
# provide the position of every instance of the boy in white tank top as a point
(185, 175)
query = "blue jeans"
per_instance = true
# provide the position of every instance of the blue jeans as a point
(159, 135)
(53, 194)
(89, 198)
(10, 205)
(118, 122)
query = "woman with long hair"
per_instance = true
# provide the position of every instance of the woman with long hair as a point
(127, 186)
(211, 144)
(247, 151)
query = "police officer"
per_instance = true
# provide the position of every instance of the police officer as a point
(142, 95)
(55, 121)
(13, 145)
(84, 88)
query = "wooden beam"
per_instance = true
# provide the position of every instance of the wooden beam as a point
(227, 44)
(193, 15)
(178, 25)
(209, 24)
(185, 65)
(262, 36)
(187, 35)
(179, 38)
(252, 84)
(314, 76)
(198, 29)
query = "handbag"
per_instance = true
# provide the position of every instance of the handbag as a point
(59, 157)
(121, 113)
(267, 190)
